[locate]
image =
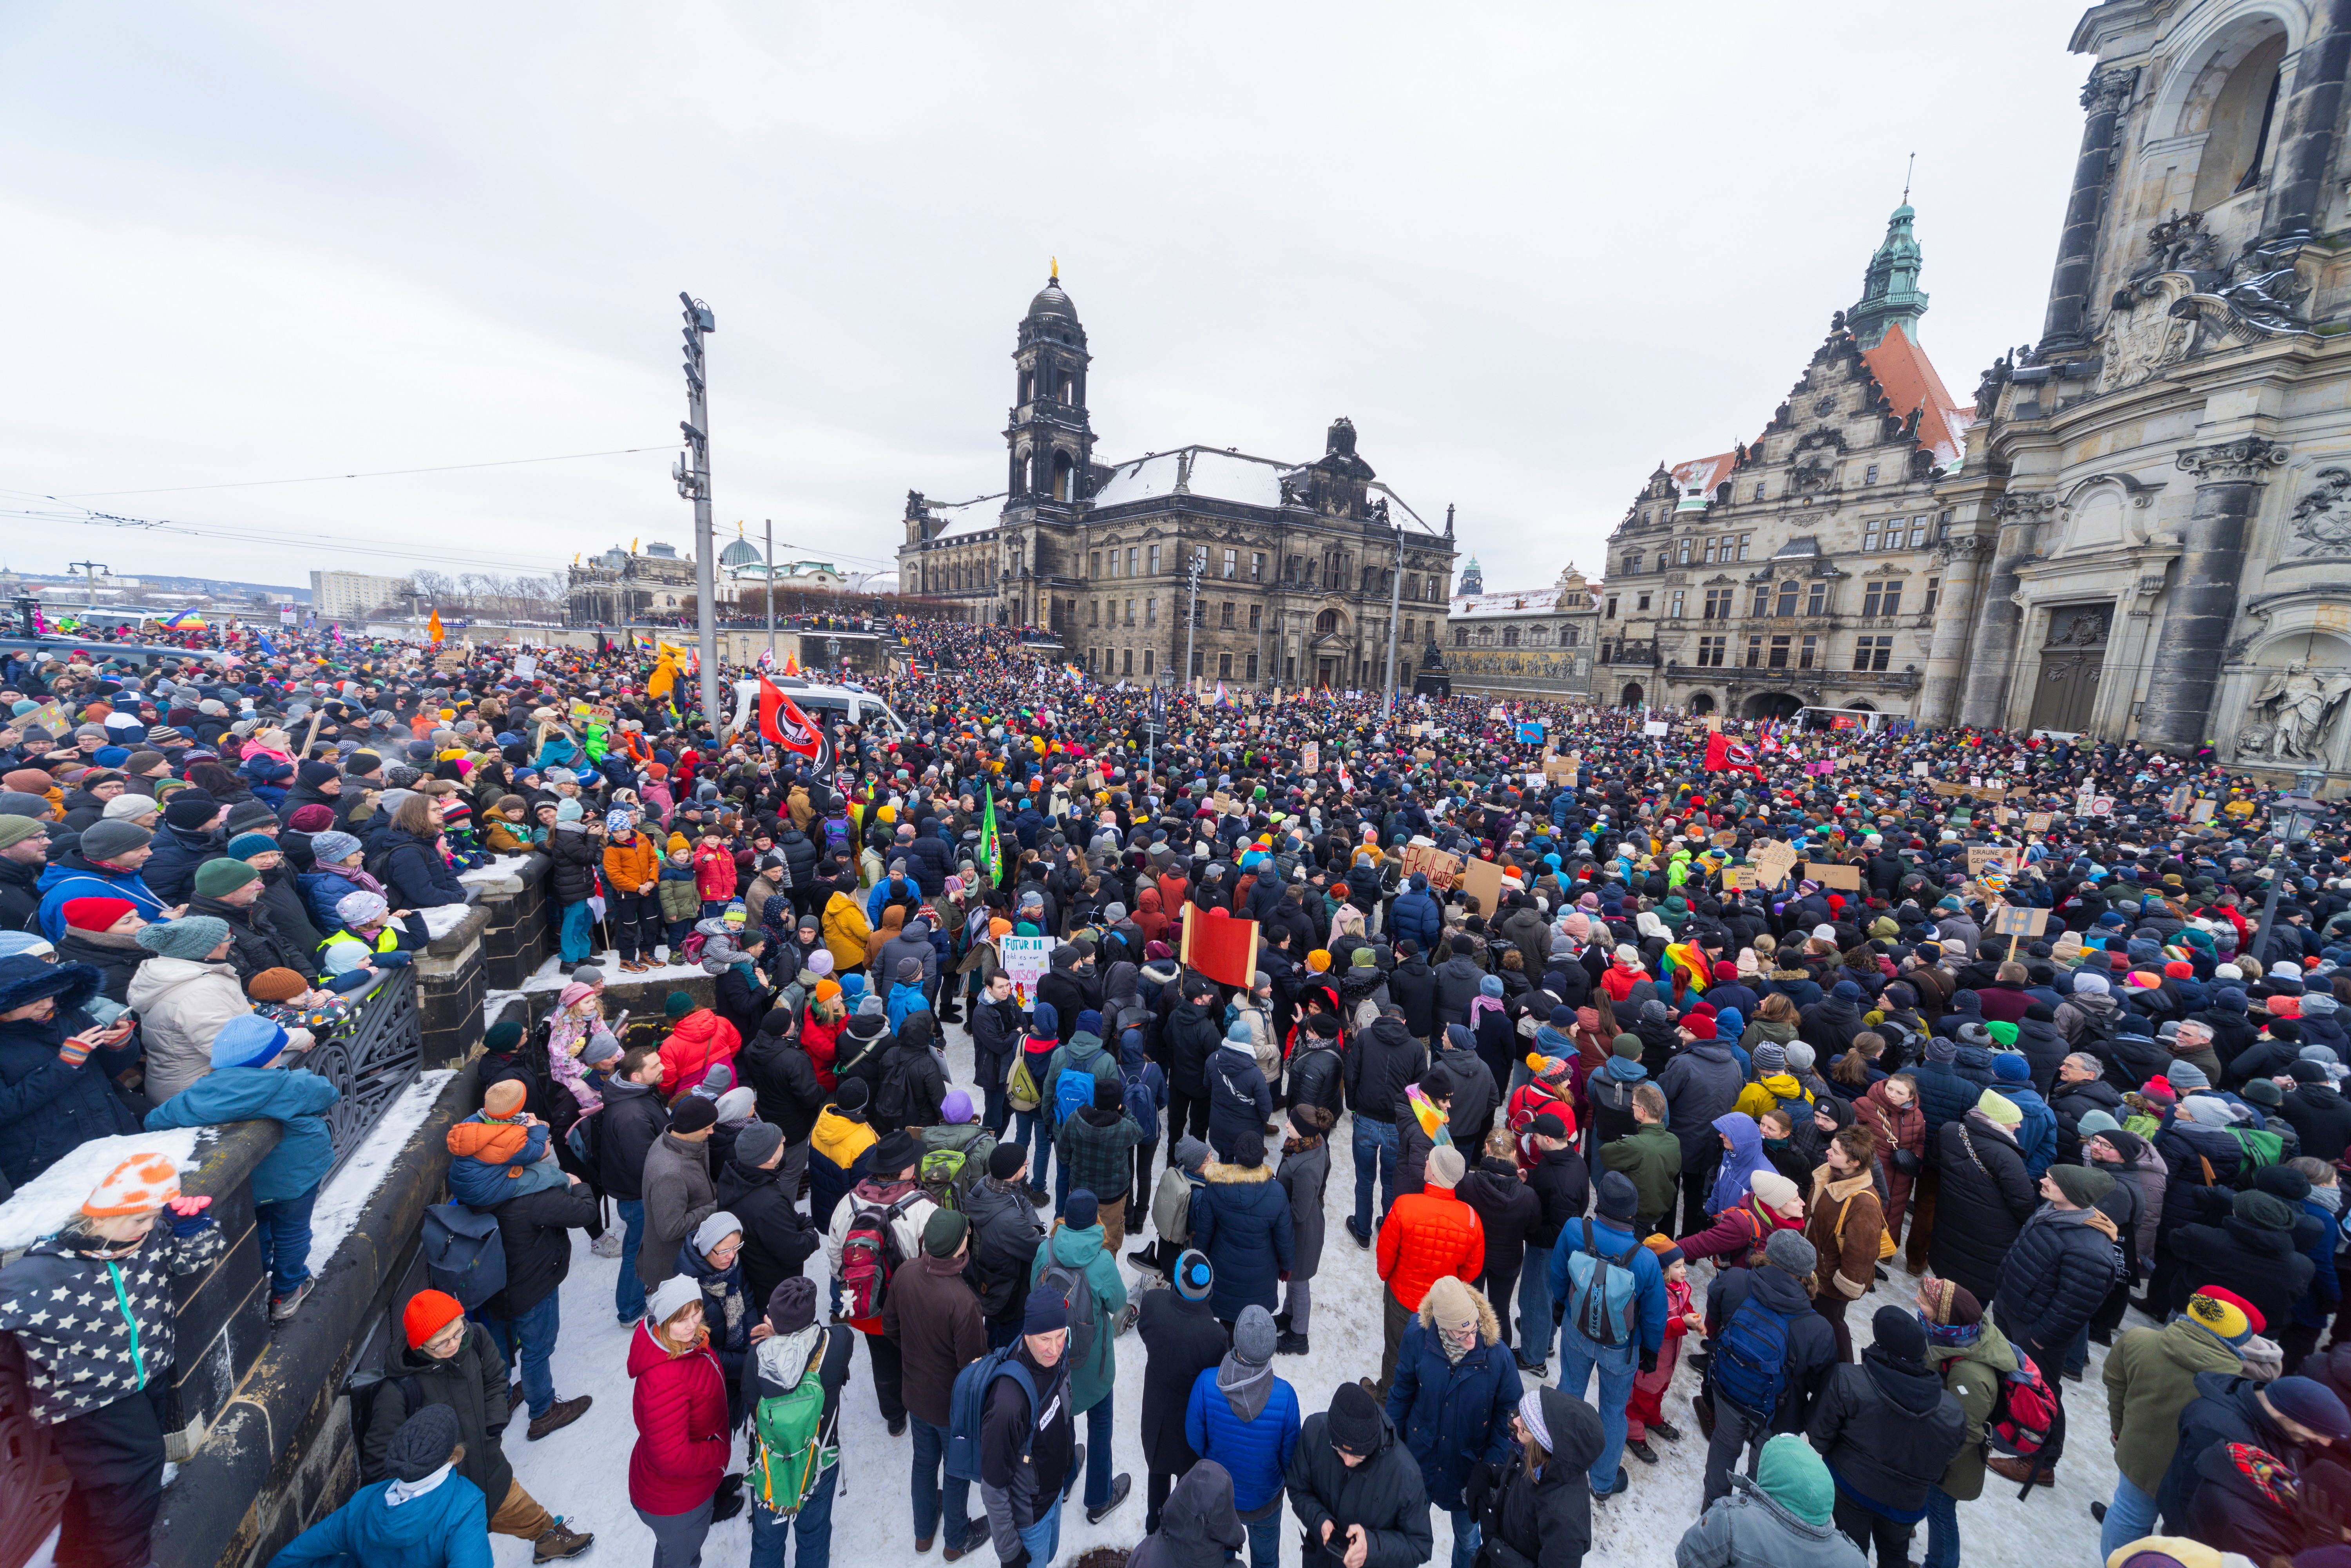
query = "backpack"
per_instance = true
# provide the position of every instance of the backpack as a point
(869, 1256)
(2255, 1149)
(789, 1455)
(2022, 1411)
(1073, 1090)
(364, 1388)
(463, 1253)
(1600, 1291)
(967, 1409)
(1020, 1091)
(1751, 1361)
(1076, 1294)
(895, 1096)
(585, 1138)
(1140, 1102)
(943, 1175)
(690, 950)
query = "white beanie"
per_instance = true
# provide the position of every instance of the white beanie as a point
(668, 1298)
(715, 1229)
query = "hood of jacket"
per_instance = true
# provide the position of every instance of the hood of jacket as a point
(1218, 1172)
(1489, 1327)
(1197, 1525)
(1573, 1427)
(1915, 1391)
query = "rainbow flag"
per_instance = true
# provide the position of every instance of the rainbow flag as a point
(185, 621)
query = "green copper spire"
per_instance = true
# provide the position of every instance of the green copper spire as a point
(1889, 290)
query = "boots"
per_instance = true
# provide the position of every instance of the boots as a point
(560, 1414)
(558, 1542)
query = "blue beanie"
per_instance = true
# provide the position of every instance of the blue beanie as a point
(1194, 1276)
(2011, 1067)
(1090, 1022)
(1046, 1018)
(248, 1040)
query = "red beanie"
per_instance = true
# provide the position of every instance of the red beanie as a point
(427, 1314)
(95, 913)
(1699, 1025)
(1726, 971)
(2178, 970)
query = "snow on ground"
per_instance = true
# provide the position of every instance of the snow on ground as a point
(555, 974)
(494, 1004)
(500, 869)
(49, 1199)
(346, 1197)
(581, 1472)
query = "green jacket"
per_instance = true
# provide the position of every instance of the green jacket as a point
(1973, 1373)
(2151, 1379)
(1091, 1379)
(1652, 1158)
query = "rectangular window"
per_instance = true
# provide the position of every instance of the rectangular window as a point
(1805, 651)
(1093, 564)
(1200, 613)
(1681, 552)
(1199, 660)
(1642, 604)
(1787, 599)
(1146, 661)
(1873, 653)
(1257, 616)
(1754, 652)
(1869, 600)
(1893, 605)
(1869, 475)
(1817, 602)
(1676, 611)
(1719, 604)
(1252, 666)
(1224, 618)
(1934, 588)
(1154, 560)
(1150, 611)
(1130, 662)
(1224, 666)
(1093, 613)
(1746, 539)
(1710, 651)
(1763, 599)
(1708, 552)
(1612, 607)
(1232, 562)
(1759, 496)
(1869, 535)
(1917, 533)
(1257, 574)
(1780, 651)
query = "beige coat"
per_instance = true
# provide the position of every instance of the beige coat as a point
(182, 1004)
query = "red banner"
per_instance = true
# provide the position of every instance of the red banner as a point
(782, 722)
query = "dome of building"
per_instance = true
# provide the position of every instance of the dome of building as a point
(742, 552)
(1051, 302)
(614, 560)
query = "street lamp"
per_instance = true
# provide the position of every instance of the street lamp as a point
(2292, 816)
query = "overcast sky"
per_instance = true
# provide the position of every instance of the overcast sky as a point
(1530, 250)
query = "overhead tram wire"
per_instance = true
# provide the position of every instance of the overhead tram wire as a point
(341, 544)
(376, 474)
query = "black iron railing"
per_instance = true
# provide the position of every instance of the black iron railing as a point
(372, 1062)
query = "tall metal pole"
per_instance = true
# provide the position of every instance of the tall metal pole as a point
(693, 475)
(768, 591)
(1395, 603)
(1192, 615)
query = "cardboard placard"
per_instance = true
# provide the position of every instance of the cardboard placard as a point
(1310, 757)
(1714, 724)
(2036, 821)
(1422, 754)
(1727, 837)
(2201, 811)
(1739, 878)
(2018, 920)
(1773, 861)
(1482, 880)
(1982, 855)
(1441, 869)
(1829, 873)
(1917, 770)
(1026, 959)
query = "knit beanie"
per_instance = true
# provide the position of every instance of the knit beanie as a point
(219, 878)
(1770, 1060)
(2225, 1314)
(1195, 1277)
(755, 1142)
(249, 1039)
(1772, 1190)
(422, 1444)
(1942, 1047)
(426, 1314)
(135, 1185)
(94, 913)
(693, 1114)
(1446, 1167)
(1617, 1198)
(1005, 1162)
(192, 937)
(1627, 1046)
(2000, 1108)
(1352, 1422)
(1788, 1251)
(2082, 1184)
(1081, 1212)
(1898, 1334)
(791, 1305)
(943, 1232)
(1949, 1303)
(110, 839)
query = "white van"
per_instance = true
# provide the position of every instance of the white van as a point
(1861, 718)
(834, 705)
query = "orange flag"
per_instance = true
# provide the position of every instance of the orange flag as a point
(433, 627)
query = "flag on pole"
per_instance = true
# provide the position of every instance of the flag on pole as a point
(433, 627)
(792, 666)
(991, 851)
(767, 658)
(783, 724)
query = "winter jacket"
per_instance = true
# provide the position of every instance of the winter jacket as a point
(2260, 1264)
(1384, 1494)
(1508, 1211)
(535, 1228)
(1738, 1236)
(1545, 1522)
(679, 1405)
(1702, 1081)
(1188, 1038)
(68, 876)
(1255, 1450)
(471, 1384)
(776, 1237)
(1843, 1223)
(182, 1003)
(48, 1109)
(1182, 1343)
(1812, 1344)
(1317, 1071)
(678, 1196)
(1454, 1416)
(2150, 1375)
(1427, 1236)
(1985, 1200)
(932, 1317)
(1949, 1090)
(1303, 1174)
(169, 871)
(79, 1363)
(1240, 1219)
(846, 932)
(415, 874)
(1971, 1372)
(2058, 1273)
(1004, 1234)
(1082, 1251)
(296, 1100)
(1652, 1158)
(1887, 1432)
(447, 1527)
(1417, 914)
(1412, 986)
(1379, 1064)
(1239, 1102)
(1476, 1095)
(2226, 1409)
(785, 1077)
(632, 1119)
(1751, 1529)
(1096, 1146)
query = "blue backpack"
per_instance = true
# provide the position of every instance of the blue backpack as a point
(1751, 1361)
(463, 1253)
(967, 1407)
(1140, 1102)
(1601, 1292)
(1073, 1090)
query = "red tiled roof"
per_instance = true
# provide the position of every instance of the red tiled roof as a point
(1703, 473)
(1908, 377)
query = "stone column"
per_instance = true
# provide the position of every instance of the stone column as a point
(1992, 645)
(2306, 121)
(2184, 669)
(2103, 98)
(1947, 655)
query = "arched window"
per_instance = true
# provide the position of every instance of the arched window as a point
(1327, 623)
(2234, 103)
(1061, 475)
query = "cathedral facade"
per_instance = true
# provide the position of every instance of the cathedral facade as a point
(1198, 559)
(1803, 568)
(2152, 530)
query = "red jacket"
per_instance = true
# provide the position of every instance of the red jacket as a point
(714, 873)
(1427, 1236)
(1735, 1239)
(701, 1039)
(680, 1406)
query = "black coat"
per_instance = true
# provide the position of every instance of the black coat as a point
(1317, 1072)
(1412, 988)
(632, 1118)
(2226, 1409)
(2071, 1103)
(2058, 1273)
(1985, 1201)
(1948, 1091)
(776, 1237)
(2321, 1117)
(472, 1383)
(20, 899)
(1562, 1185)
(1543, 1522)
(1508, 1210)
(1887, 1431)
(1005, 1232)
(170, 873)
(256, 943)
(47, 1109)
(1384, 1494)
(2260, 1265)
(414, 874)
(1190, 1039)
(789, 1094)
(573, 860)
(1380, 1065)
(1812, 1344)
(1181, 1339)
(535, 1229)
(1458, 979)
(1239, 1102)
(114, 964)
(1475, 1096)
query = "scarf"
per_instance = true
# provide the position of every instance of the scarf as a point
(1955, 1335)
(400, 1491)
(1244, 1387)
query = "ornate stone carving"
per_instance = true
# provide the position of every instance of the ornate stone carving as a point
(2322, 518)
(2291, 717)
(2107, 91)
(2085, 627)
(2142, 335)
(2246, 457)
(2179, 244)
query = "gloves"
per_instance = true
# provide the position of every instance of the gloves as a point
(1648, 1361)
(75, 1051)
(727, 1501)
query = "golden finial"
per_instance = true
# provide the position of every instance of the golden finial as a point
(1056, 270)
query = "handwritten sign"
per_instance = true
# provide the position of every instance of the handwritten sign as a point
(1026, 959)
(1773, 861)
(2036, 821)
(1982, 855)
(1654, 727)
(1310, 757)
(1829, 873)
(1917, 770)
(1440, 868)
(2201, 811)
(1739, 878)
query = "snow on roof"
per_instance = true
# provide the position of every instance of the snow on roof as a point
(1223, 475)
(969, 516)
(1543, 601)
(1908, 377)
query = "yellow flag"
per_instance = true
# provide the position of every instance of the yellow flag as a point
(664, 676)
(433, 627)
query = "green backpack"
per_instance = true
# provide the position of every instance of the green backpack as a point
(1020, 1090)
(941, 1174)
(789, 1456)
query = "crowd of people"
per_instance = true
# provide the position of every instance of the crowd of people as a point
(1736, 1036)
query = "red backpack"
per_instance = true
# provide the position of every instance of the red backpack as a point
(869, 1256)
(2023, 1413)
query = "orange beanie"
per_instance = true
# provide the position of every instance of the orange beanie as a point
(139, 1184)
(427, 1314)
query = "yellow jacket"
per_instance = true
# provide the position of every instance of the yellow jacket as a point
(845, 931)
(1765, 1095)
(839, 1139)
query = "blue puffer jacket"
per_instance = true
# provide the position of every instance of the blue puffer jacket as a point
(484, 1183)
(1240, 1218)
(47, 1109)
(1454, 1416)
(1416, 915)
(1949, 1090)
(415, 876)
(294, 1099)
(321, 891)
(2037, 1135)
(1256, 1452)
(445, 1528)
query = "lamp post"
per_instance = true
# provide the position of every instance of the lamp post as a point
(1192, 615)
(2292, 816)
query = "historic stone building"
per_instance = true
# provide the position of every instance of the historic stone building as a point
(1301, 566)
(1526, 641)
(2152, 531)
(620, 585)
(1804, 566)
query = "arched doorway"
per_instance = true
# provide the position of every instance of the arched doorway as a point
(1632, 696)
(1702, 703)
(1772, 704)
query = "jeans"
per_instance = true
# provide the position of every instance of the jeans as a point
(2077, 1354)
(1943, 1529)
(1464, 1537)
(1377, 1144)
(2129, 1517)
(1098, 1436)
(283, 1228)
(1534, 1302)
(813, 1523)
(1265, 1540)
(1034, 1128)
(575, 938)
(1043, 1539)
(528, 1341)
(628, 1295)
(1578, 1359)
(1732, 1432)
(930, 1458)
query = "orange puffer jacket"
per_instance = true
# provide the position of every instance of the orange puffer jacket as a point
(700, 1041)
(1428, 1235)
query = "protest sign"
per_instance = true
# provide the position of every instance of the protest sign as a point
(1829, 873)
(1530, 734)
(1982, 855)
(1440, 868)
(1739, 878)
(1654, 727)
(2201, 811)
(1482, 880)
(1026, 959)
(1221, 947)
(2036, 821)
(2018, 920)
(1310, 757)
(1773, 861)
